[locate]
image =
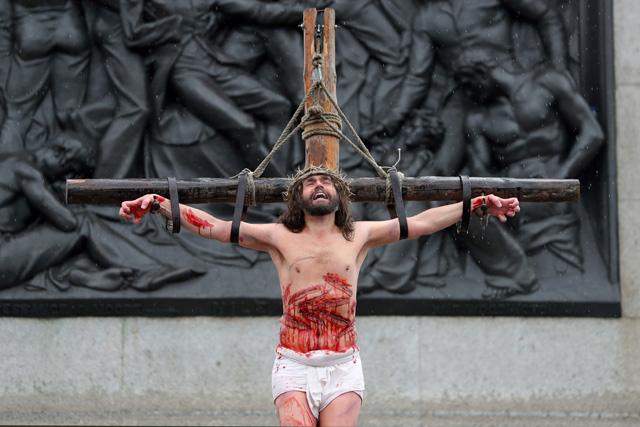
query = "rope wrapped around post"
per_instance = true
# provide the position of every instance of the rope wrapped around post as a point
(333, 122)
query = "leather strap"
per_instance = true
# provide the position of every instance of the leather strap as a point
(463, 227)
(397, 209)
(240, 210)
(175, 205)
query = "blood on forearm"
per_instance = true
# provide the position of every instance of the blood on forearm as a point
(192, 218)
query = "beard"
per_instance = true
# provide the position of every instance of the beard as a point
(322, 209)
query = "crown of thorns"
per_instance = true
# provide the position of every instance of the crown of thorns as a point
(338, 178)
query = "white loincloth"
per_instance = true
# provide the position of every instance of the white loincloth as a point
(322, 374)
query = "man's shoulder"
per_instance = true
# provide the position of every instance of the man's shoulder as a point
(278, 231)
(278, 227)
(363, 229)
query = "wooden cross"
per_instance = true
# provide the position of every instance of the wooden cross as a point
(321, 150)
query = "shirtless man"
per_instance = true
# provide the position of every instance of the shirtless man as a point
(318, 249)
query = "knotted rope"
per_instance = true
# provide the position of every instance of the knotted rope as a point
(333, 127)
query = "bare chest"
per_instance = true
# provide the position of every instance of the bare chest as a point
(306, 261)
(322, 255)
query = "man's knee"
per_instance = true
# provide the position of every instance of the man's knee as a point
(344, 410)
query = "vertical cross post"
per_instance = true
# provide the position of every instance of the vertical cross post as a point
(319, 37)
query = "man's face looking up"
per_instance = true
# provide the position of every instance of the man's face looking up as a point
(319, 196)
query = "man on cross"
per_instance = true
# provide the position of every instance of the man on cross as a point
(318, 248)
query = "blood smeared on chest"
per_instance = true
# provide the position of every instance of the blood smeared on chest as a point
(320, 316)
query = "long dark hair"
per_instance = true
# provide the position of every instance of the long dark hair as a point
(293, 217)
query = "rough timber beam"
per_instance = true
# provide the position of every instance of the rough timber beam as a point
(269, 190)
(319, 36)
(320, 150)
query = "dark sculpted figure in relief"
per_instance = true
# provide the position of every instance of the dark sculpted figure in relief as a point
(441, 31)
(39, 232)
(50, 54)
(5, 52)
(184, 43)
(203, 89)
(119, 148)
(526, 124)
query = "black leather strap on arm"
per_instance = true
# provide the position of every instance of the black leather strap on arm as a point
(240, 211)
(175, 205)
(463, 227)
(397, 209)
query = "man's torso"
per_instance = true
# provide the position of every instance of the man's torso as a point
(318, 279)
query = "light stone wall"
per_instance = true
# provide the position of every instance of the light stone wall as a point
(445, 371)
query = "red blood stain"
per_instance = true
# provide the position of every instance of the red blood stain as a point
(319, 317)
(137, 212)
(196, 220)
(476, 204)
(292, 412)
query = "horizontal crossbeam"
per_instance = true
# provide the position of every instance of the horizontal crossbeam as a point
(269, 190)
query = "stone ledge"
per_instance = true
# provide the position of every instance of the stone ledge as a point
(375, 418)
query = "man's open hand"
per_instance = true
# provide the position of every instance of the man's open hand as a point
(502, 208)
(136, 209)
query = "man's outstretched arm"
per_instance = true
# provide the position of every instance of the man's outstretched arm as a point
(253, 236)
(439, 218)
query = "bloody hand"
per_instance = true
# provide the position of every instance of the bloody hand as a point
(502, 208)
(136, 209)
